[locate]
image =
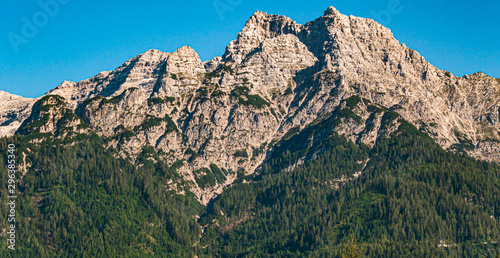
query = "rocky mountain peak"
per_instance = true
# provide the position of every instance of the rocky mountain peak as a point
(259, 27)
(148, 58)
(66, 84)
(186, 51)
(6, 97)
(331, 11)
(184, 60)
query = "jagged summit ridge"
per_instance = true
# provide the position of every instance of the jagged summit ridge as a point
(276, 78)
(143, 71)
(258, 28)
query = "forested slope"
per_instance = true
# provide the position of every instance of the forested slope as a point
(317, 194)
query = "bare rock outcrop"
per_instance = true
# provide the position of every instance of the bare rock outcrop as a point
(13, 111)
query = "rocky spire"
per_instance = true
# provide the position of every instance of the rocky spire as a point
(184, 60)
(258, 28)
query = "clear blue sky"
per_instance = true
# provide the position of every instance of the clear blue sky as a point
(83, 38)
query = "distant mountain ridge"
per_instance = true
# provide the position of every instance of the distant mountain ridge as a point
(274, 80)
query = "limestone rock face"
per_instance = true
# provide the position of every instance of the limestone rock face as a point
(258, 28)
(224, 116)
(184, 61)
(105, 116)
(13, 111)
(142, 71)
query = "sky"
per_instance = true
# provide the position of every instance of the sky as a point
(45, 42)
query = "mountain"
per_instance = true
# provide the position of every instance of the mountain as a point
(276, 77)
(305, 134)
